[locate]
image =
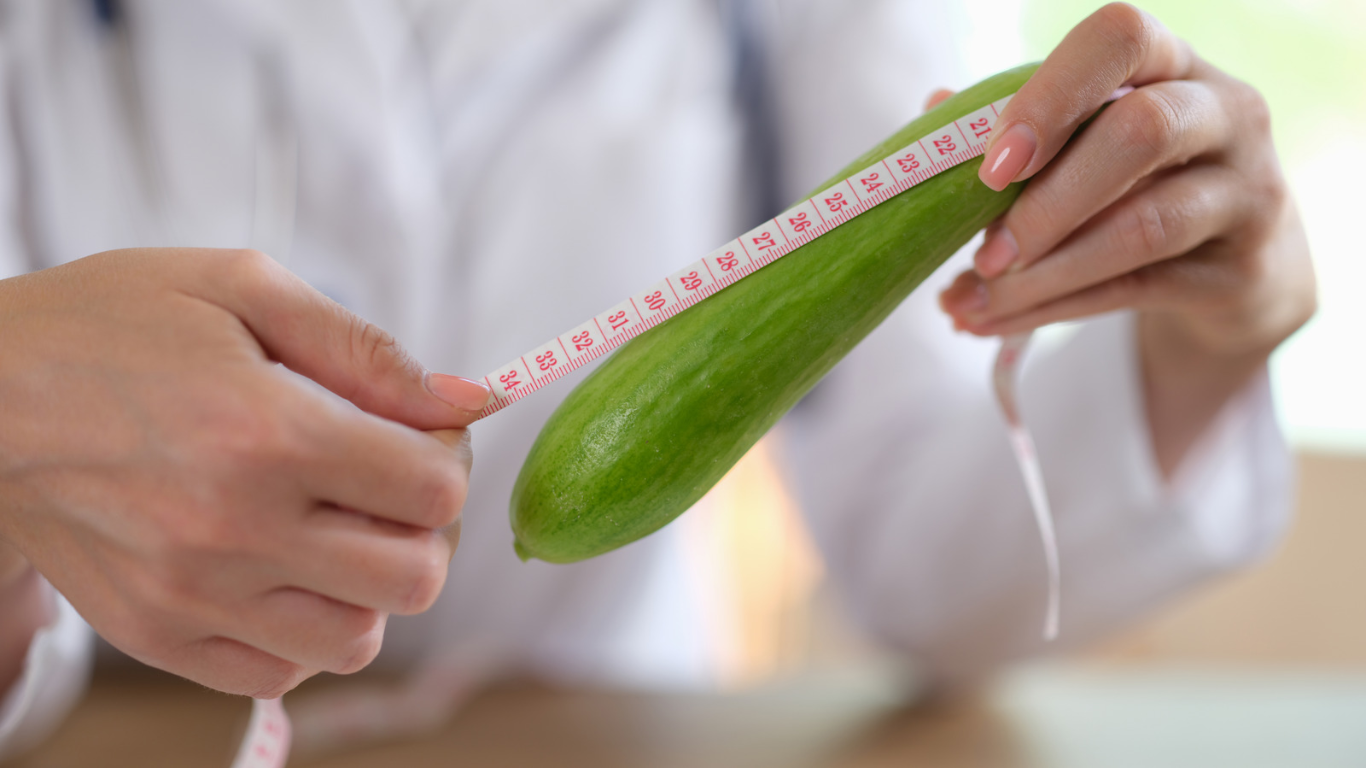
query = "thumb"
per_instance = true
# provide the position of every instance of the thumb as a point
(319, 338)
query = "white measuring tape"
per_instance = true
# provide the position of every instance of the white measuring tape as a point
(266, 744)
(953, 143)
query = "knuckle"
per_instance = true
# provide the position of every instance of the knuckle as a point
(1035, 218)
(1150, 120)
(1275, 196)
(1144, 231)
(444, 496)
(1051, 98)
(371, 343)
(275, 678)
(248, 265)
(164, 586)
(367, 638)
(426, 583)
(1126, 26)
(252, 259)
(1253, 107)
(377, 349)
(207, 530)
(181, 541)
(1267, 196)
(249, 431)
(1248, 267)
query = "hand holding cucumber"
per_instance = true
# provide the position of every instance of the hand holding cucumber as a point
(190, 497)
(1171, 203)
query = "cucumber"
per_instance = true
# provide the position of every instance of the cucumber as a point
(656, 426)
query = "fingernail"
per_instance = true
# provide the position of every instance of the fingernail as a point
(459, 392)
(1008, 157)
(961, 302)
(997, 253)
(937, 98)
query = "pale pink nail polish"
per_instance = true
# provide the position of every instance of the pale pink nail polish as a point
(1008, 157)
(997, 253)
(962, 303)
(459, 392)
(977, 302)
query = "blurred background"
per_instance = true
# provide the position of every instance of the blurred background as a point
(1267, 668)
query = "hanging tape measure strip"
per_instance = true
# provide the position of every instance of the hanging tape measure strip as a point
(266, 742)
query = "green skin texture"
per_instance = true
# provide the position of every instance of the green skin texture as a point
(658, 424)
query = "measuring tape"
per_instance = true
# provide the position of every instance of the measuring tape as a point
(953, 143)
(266, 743)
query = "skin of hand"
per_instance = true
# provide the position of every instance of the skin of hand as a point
(166, 465)
(1171, 203)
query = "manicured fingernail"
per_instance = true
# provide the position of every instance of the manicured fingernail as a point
(459, 392)
(937, 98)
(1008, 157)
(964, 301)
(997, 253)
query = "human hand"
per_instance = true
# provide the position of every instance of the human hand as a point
(1171, 203)
(206, 511)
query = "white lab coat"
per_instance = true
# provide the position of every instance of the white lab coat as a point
(478, 175)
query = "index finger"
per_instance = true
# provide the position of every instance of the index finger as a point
(381, 468)
(1117, 45)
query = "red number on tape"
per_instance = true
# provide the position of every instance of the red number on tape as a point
(835, 202)
(547, 360)
(908, 163)
(617, 319)
(582, 341)
(799, 222)
(727, 262)
(980, 128)
(655, 301)
(945, 145)
(764, 241)
(692, 281)
(509, 380)
(870, 182)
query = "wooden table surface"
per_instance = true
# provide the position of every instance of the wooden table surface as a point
(1207, 683)
(1093, 716)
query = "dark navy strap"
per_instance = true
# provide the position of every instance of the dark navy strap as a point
(754, 100)
(107, 11)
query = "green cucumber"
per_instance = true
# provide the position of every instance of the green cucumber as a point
(657, 425)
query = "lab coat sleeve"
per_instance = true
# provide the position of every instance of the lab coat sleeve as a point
(916, 503)
(59, 656)
(900, 456)
(56, 670)
(14, 256)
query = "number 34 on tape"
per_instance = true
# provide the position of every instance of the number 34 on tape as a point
(934, 153)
